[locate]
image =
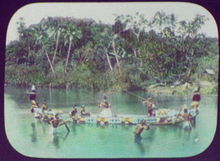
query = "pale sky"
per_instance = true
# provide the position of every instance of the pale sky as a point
(106, 12)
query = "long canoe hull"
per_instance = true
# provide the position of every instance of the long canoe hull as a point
(127, 120)
(121, 119)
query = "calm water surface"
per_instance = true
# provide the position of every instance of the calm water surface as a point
(33, 138)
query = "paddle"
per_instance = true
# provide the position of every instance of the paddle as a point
(113, 112)
(67, 105)
(131, 93)
(178, 114)
(142, 98)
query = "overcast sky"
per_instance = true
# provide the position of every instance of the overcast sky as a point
(105, 12)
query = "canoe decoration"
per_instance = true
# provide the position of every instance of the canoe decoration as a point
(162, 117)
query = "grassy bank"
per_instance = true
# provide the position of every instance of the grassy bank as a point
(22, 76)
(80, 77)
(207, 88)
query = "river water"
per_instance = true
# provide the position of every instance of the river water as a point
(32, 138)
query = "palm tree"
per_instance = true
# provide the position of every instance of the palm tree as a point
(102, 37)
(57, 36)
(42, 34)
(71, 34)
(160, 19)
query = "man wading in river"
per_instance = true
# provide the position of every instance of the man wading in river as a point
(195, 104)
(139, 129)
(196, 99)
(56, 122)
(187, 119)
(32, 94)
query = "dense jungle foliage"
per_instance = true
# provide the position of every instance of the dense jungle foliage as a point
(132, 54)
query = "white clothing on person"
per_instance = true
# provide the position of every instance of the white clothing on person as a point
(106, 112)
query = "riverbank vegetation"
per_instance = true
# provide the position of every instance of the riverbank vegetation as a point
(135, 53)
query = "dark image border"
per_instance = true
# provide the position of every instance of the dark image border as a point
(8, 153)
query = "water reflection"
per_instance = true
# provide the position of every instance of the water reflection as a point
(140, 145)
(73, 128)
(145, 141)
(57, 138)
(33, 133)
(166, 141)
(43, 126)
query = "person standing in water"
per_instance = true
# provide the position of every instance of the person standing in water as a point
(139, 129)
(150, 106)
(196, 99)
(83, 111)
(32, 94)
(56, 122)
(195, 105)
(187, 119)
(73, 112)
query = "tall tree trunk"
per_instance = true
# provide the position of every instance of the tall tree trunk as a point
(137, 35)
(51, 66)
(55, 51)
(135, 53)
(29, 50)
(68, 55)
(109, 62)
(191, 63)
(116, 55)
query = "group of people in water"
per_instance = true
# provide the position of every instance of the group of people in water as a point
(48, 115)
(184, 113)
(151, 108)
(54, 119)
(42, 112)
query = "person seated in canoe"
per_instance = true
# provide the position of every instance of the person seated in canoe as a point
(141, 127)
(106, 108)
(149, 103)
(50, 114)
(73, 112)
(36, 110)
(83, 111)
(46, 118)
(44, 107)
(196, 99)
(47, 113)
(34, 105)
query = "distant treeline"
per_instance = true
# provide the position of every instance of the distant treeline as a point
(133, 53)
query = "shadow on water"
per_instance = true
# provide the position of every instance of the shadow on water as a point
(145, 141)
(57, 138)
(138, 141)
(170, 141)
(43, 126)
(33, 133)
(73, 128)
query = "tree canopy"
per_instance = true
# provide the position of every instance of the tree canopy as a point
(133, 53)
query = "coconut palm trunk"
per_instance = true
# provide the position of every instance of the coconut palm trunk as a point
(68, 55)
(51, 66)
(109, 62)
(116, 55)
(55, 51)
